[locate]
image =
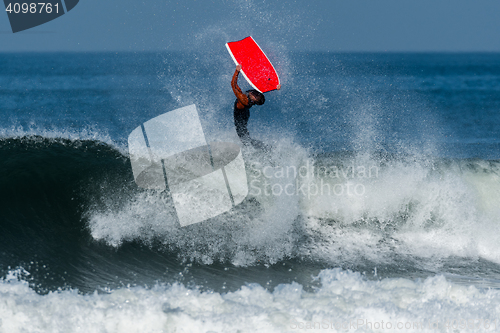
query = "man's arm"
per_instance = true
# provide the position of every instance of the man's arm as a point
(242, 98)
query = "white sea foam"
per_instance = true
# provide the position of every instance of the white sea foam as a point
(251, 232)
(344, 302)
(426, 212)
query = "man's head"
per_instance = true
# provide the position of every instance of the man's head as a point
(256, 97)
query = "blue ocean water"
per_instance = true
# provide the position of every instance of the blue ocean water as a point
(398, 215)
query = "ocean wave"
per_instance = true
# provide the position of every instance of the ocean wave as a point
(332, 208)
(329, 208)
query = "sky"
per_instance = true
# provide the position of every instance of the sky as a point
(294, 25)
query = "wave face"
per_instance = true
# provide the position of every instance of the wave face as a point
(45, 185)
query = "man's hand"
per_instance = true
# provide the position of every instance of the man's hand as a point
(278, 87)
(238, 68)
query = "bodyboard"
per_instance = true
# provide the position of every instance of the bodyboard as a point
(255, 66)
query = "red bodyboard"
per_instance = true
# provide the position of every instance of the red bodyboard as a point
(255, 66)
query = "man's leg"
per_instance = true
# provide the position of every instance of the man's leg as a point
(241, 121)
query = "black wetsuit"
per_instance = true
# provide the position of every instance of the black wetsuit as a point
(241, 117)
(241, 120)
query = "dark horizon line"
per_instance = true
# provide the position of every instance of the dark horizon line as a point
(291, 51)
